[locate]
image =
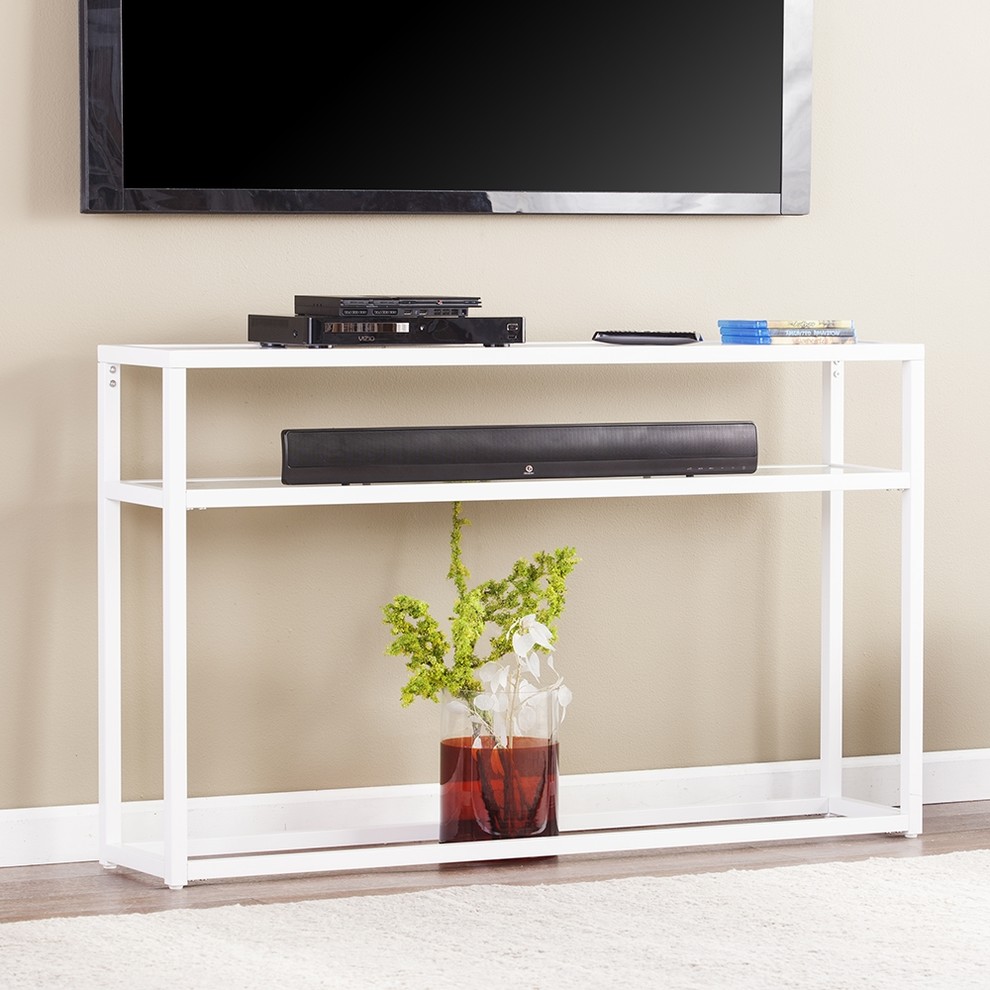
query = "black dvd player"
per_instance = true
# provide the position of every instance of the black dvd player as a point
(315, 331)
(374, 308)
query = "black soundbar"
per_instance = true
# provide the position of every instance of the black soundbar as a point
(482, 453)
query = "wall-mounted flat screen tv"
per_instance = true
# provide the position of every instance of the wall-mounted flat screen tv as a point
(651, 107)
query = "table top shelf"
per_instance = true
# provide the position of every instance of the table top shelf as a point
(551, 353)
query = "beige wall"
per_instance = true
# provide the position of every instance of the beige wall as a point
(692, 627)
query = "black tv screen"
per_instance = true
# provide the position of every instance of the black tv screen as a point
(684, 106)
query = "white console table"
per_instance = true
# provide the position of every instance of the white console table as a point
(378, 840)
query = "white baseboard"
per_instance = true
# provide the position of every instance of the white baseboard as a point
(68, 834)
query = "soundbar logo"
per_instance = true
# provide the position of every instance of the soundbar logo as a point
(528, 469)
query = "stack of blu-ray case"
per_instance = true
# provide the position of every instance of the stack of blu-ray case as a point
(787, 331)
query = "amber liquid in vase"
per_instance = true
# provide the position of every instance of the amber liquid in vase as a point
(489, 792)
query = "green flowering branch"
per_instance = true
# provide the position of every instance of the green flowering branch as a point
(533, 587)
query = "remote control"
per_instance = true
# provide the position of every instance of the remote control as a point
(646, 336)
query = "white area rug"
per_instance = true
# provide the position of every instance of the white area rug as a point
(877, 924)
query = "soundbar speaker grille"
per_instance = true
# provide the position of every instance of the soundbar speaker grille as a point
(481, 453)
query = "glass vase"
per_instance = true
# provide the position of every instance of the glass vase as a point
(499, 770)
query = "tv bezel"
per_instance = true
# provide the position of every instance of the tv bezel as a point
(102, 155)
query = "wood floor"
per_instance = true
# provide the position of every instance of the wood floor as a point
(65, 890)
